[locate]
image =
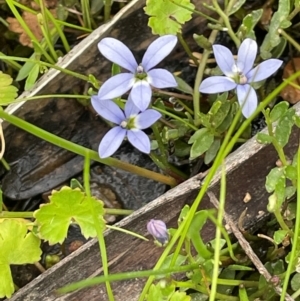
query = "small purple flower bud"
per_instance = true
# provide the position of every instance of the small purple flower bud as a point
(158, 230)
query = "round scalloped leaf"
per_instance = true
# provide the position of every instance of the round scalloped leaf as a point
(17, 246)
(68, 206)
(8, 93)
(166, 17)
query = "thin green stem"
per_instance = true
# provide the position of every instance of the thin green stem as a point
(41, 63)
(275, 143)
(13, 64)
(47, 36)
(100, 236)
(5, 164)
(294, 13)
(107, 9)
(187, 48)
(217, 248)
(11, 5)
(114, 211)
(85, 8)
(8, 214)
(176, 118)
(168, 168)
(126, 232)
(295, 240)
(125, 276)
(163, 154)
(59, 31)
(80, 150)
(226, 21)
(289, 39)
(199, 77)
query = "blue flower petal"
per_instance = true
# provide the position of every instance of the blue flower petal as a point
(141, 94)
(224, 59)
(139, 140)
(116, 86)
(130, 108)
(117, 52)
(161, 78)
(111, 141)
(146, 119)
(263, 70)
(158, 50)
(247, 55)
(217, 84)
(158, 230)
(247, 99)
(108, 109)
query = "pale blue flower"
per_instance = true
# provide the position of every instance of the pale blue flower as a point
(239, 74)
(140, 77)
(129, 123)
(158, 229)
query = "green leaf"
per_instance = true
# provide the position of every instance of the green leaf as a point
(295, 282)
(8, 93)
(284, 127)
(198, 222)
(203, 139)
(115, 69)
(280, 191)
(279, 20)
(263, 138)
(273, 178)
(67, 206)
(297, 120)
(180, 296)
(212, 151)
(228, 118)
(291, 172)
(279, 110)
(237, 5)
(246, 29)
(166, 17)
(226, 289)
(17, 246)
(279, 236)
(202, 41)
(183, 86)
(32, 77)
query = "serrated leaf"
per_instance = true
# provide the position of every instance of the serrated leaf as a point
(228, 119)
(278, 20)
(246, 29)
(67, 206)
(32, 77)
(17, 246)
(264, 138)
(279, 110)
(273, 177)
(8, 93)
(202, 143)
(284, 127)
(166, 17)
